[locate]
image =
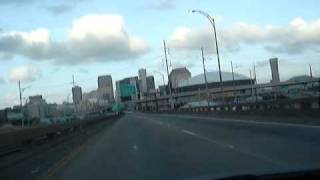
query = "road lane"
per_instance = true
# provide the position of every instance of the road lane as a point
(153, 146)
(295, 145)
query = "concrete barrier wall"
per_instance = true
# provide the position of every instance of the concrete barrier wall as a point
(294, 107)
(28, 136)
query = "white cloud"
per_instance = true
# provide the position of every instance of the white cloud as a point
(32, 44)
(94, 37)
(35, 37)
(103, 36)
(188, 39)
(161, 5)
(26, 73)
(297, 37)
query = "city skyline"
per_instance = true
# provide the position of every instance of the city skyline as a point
(50, 72)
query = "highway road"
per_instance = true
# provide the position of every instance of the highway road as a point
(172, 146)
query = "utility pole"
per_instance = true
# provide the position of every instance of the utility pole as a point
(199, 97)
(254, 74)
(251, 79)
(233, 83)
(169, 81)
(20, 97)
(73, 80)
(310, 69)
(255, 82)
(205, 77)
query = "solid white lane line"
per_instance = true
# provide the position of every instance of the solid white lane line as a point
(188, 132)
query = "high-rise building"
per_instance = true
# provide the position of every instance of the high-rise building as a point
(150, 84)
(105, 87)
(274, 70)
(143, 81)
(178, 75)
(142, 73)
(76, 94)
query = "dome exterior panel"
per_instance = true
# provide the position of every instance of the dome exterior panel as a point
(212, 77)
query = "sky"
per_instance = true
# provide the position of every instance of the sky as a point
(44, 43)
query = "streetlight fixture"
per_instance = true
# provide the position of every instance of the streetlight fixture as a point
(211, 19)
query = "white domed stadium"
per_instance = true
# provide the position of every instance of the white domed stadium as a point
(212, 77)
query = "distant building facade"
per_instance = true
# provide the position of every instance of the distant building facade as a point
(274, 70)
(77, 94)
(93, 96)
(127, 89)
(179, 75)
(143, 81)
(51, 110)
(37, 99)
(36, 108)
(146, 84)
(105, 87)
(66, 109)
(150, 84)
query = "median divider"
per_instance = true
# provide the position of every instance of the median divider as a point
(17, 140)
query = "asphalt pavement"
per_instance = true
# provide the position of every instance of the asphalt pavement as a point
(163, 146)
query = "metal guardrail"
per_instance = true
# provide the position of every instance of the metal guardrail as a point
(17, 140)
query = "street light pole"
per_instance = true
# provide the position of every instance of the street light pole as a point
(251, 79)
(233, 83)
(255, 82)
(205, 77)
(169, 81)
(20, 97)
(211, 19)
